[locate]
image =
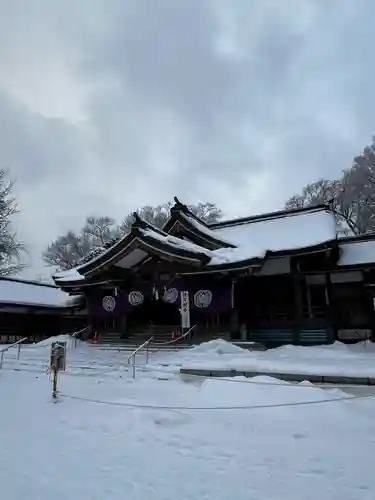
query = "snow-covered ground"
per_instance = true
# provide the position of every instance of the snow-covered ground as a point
(122, 448)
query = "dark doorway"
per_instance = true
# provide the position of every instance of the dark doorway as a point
(154, 312)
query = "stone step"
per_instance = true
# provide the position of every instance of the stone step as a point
(138, 341)
(132, 347)
(160, 341)
(162, 338)
(156, 338)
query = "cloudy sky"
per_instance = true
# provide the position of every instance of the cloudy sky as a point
(109, 105)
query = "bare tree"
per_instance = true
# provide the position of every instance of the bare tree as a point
(10, 248)
(358, 190)
(352, 196)
(66, 251)
(207, 211)
(157, 216)
(321, 191)
(99, 230)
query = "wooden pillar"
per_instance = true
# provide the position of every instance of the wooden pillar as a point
(234, 324)
(331, 311)
(123, 327)
(297, 303)
(372, 316)
(234, 317)
(30, 326)
(373, 320)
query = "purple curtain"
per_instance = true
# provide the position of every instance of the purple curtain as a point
(207, 296)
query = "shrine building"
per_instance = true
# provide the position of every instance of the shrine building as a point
(294, 276)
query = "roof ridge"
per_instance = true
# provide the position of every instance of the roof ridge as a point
(280, 214)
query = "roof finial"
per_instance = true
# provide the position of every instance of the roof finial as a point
(137, 221)
(178, 206)
(330, 203)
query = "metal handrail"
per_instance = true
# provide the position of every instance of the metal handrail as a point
(20, 341)
(74, 335)
(3, 351)
(168, 342)
(146, 344)
(139, 348)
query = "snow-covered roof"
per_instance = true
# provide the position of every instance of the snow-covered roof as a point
(97, 251)
(354, 253)
(152, 236)
(287, 232)
(186, 245)
(20, 292)
(242, 240)
(204, 229)
(70, 275)
(178, 243)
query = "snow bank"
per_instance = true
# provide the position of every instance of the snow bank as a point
(339, 359)
(218, 346)
(263, 390)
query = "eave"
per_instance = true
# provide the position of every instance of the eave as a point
(256, 263)
(30, 307)
(269, 216)
(321, 247)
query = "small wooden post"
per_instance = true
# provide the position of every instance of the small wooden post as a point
(297, 303)
(58, 362)
(146, 354)
(54, 379)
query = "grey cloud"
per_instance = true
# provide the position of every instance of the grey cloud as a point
(36, 148)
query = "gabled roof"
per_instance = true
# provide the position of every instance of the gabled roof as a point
(272, 233)
(142, 241)
(235, 244)
(280, 232)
